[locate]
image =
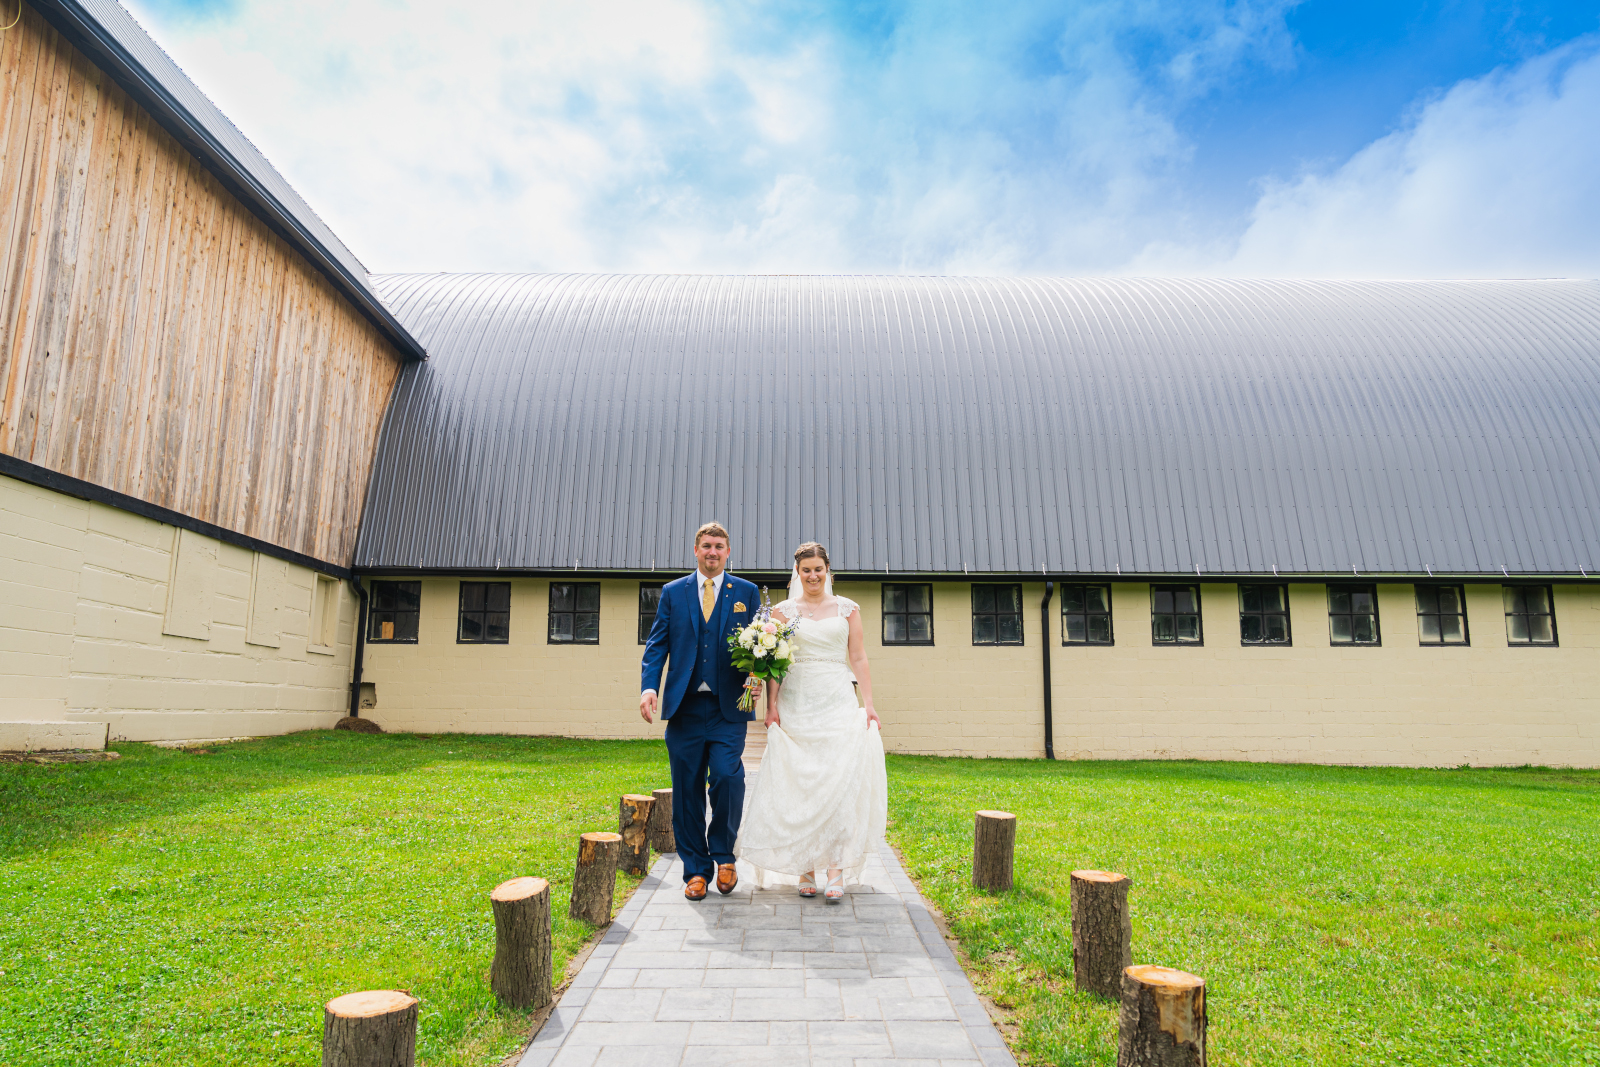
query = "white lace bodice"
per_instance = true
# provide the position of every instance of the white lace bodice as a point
(822, 640)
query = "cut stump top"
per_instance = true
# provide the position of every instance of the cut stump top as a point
(996, 814)
(519, 889)
(372, 1002)
(637, 796)
(1100, 876)
(1165, 979)
(602, 835)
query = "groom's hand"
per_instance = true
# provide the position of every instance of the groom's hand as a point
(647, 705)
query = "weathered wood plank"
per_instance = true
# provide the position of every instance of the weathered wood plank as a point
(155, 337)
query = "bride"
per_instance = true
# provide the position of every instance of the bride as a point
(821, 798)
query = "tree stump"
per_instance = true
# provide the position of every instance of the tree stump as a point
(1102, 931)
(994, 839)
(661, 838)
(520, 974)
(594, 882)
(633, 822)
(372, 1029)
(1163, 1020)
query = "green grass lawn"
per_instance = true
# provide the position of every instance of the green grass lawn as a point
(174, 908)
(1338, 915)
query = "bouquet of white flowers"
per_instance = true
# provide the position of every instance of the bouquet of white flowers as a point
(764, 648)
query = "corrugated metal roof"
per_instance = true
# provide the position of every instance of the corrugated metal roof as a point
(110, 37)
(994, 425)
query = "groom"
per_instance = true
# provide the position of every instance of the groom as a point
(705, 728)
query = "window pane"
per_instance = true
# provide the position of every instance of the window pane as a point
(408, 595)
(1249, 627)
(561, 626)
(1272, 598)
(1076, 630)
(588, 627)
(1072, 597)
(1540, 629)
(1009, 598)
(588, 596)
(919, 597)
(649, 599)
(1537, 597)
(1430, 627)
(498, 596)
(1517, 628)
(894, 628)
(1162, 629)
(1450, 628)
(1162, 602)
(560, 596)
(1277, 628)
(1010, 629)
(894, 598)
(471, 627)
(983, 598)
(983, 630)
(1100, 630)
(920, 627)
(1188, 628)
(1515, 598)
(1361, 629)
(497, 626)
(1097, 598)
(1362, 603)
(1339, 601)
(1343, 632)
(1427, 598)
(471, 596)
(405, 626)
(1450, 601)
(383, 596)
(1250, 598)
(1186, 600)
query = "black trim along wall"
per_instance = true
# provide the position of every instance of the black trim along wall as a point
(33, 474)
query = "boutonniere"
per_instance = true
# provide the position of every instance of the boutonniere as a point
(739, 606)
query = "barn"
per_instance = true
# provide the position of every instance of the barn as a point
(247, 487)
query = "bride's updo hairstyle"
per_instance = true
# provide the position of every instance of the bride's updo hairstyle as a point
(811, 550)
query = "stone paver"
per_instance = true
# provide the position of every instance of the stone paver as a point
(764, 977)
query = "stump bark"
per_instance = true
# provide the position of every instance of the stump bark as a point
(994, 839)
(594, 881)
(520, 974)
(1163, 1020)
(377, 1028)
(633, 822)
(1102, 931)
(661, 838)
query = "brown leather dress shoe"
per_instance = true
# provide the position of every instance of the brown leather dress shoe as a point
(727, 878)
(695, 889)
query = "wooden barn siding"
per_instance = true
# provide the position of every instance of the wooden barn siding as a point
(157, 338)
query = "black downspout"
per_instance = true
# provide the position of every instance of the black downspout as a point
(1044, 633)
(361, 650)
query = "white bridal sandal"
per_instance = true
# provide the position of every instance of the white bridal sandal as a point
(808, 886)
(835, 891)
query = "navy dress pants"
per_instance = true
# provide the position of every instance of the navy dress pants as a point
(702, 744)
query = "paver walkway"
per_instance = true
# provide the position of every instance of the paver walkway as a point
(765, 977)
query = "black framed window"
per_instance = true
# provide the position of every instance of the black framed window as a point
(1441, 615)
(1353, 614)
(1086, 614)
(392, 616)
(574, 613)
(485, 617)
(907, 614)
(1175, 614)
(1530, 615)
(649, 601)
(997, 614)
(1264, 614)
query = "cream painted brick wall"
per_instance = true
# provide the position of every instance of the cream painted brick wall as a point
(1398, 703)
(83, 591)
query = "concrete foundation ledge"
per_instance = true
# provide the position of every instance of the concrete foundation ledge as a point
(41, 735)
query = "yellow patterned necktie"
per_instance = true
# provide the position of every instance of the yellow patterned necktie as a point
(708, 598)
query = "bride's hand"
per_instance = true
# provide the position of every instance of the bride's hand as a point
(872, 718)
(772, 715)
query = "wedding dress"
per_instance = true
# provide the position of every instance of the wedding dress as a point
(821, 797)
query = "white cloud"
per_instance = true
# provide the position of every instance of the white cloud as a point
(1498, 177)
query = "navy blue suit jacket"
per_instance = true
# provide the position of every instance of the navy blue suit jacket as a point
(676, 636)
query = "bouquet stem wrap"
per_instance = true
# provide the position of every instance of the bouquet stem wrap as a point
(763, 648)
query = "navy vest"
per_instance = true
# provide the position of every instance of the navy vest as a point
(705, 664)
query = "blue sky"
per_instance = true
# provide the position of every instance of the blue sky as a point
(1147, 136)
